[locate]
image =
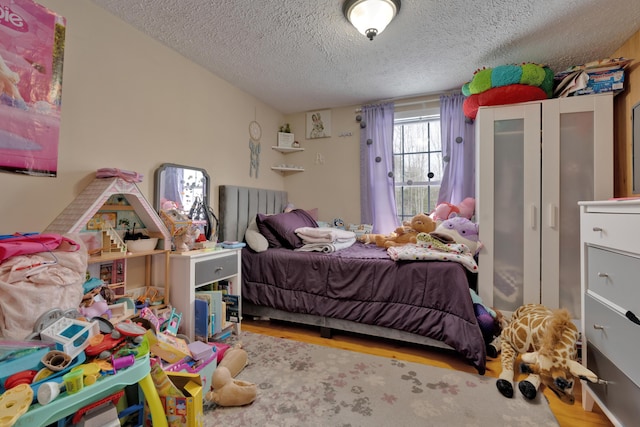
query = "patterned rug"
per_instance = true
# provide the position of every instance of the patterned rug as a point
(308, 385)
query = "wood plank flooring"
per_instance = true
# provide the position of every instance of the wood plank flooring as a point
(567, 415)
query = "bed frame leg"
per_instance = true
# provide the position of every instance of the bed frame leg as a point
(325, 332)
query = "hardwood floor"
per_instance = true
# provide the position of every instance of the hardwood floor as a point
(567, 415)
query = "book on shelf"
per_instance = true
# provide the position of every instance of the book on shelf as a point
(232, 308)
(217, 309)
(213, 306)
(202, 321)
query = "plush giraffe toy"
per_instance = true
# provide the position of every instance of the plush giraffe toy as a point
(547, 341)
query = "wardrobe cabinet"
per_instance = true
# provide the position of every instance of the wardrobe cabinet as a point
(534, 162)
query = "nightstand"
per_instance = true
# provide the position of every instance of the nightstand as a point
(194, 269)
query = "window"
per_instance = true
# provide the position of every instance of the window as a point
(417, 165)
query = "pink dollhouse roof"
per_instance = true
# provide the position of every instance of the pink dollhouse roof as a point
(75, 216)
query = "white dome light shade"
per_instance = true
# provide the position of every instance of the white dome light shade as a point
(371, 17)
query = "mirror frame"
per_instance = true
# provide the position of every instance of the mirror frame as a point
(635, 145)
(159, 183)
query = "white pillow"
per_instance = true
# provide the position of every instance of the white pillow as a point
(254, 239)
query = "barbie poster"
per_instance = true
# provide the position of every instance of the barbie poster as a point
(31, 53)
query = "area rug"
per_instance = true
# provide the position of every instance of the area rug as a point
(306, 385)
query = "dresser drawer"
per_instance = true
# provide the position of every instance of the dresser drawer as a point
(620, 395)
(211, 270)
(619, 231)
(615, 277)
(615, 336)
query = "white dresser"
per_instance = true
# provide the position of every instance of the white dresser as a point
(610, 254)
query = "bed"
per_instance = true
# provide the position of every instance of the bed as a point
(357, 289)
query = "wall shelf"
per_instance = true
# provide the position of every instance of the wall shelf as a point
(287, 150)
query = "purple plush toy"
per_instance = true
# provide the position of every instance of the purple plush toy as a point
(459, 230)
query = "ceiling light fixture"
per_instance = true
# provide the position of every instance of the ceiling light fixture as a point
(370, 17)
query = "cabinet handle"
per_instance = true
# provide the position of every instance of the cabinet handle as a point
(603, 275)
(599, 327)
(597, 229)
(532, 218)
(552, 216)
(219, 269)
(632, 317)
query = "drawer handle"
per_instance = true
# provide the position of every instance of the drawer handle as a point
(603, 275)
(632, 317)
(597, 229)
(219, 269)
(599, 327)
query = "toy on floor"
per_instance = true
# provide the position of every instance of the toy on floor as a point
(227, 391)
(421, 223)
(172, 323)
(491, 323)
(552, 336)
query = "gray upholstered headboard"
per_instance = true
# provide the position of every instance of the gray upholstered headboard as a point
(239, 204)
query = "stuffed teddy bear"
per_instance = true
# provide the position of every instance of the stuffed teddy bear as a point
(225, 390)
(421, 223)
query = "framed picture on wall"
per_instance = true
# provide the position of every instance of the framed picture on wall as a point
(319, 124)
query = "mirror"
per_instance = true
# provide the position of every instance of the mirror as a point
(184, 191)
(180, 187)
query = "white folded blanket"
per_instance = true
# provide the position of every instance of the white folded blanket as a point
(327, 247)
(324, 234)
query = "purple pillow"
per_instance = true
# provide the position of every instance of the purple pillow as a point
(266, 232)
(279, 229)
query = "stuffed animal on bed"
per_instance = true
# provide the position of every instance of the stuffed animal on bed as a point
(421, 223)
(445, 210)
(459, 230)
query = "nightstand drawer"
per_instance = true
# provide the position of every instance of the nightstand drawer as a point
(614, 335)
(619, 231)
(208, 271)
(615, 277)
(620, 395)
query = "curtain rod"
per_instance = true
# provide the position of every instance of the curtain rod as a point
(428, 99)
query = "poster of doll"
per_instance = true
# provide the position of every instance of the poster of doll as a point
(31, 57)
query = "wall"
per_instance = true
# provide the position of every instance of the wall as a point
(334, 185)
(131, 103)
(624, 102)
(331, 180)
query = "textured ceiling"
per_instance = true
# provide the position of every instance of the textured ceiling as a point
(304, 55)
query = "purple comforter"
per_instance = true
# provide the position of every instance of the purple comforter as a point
(362, 284)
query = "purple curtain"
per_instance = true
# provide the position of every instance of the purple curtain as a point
(458, 151)
(377, 192)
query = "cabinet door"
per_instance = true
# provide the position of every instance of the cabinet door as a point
(577, 165)
(508, 204)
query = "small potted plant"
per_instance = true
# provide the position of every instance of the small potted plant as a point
(285, 137)
(285, 128)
